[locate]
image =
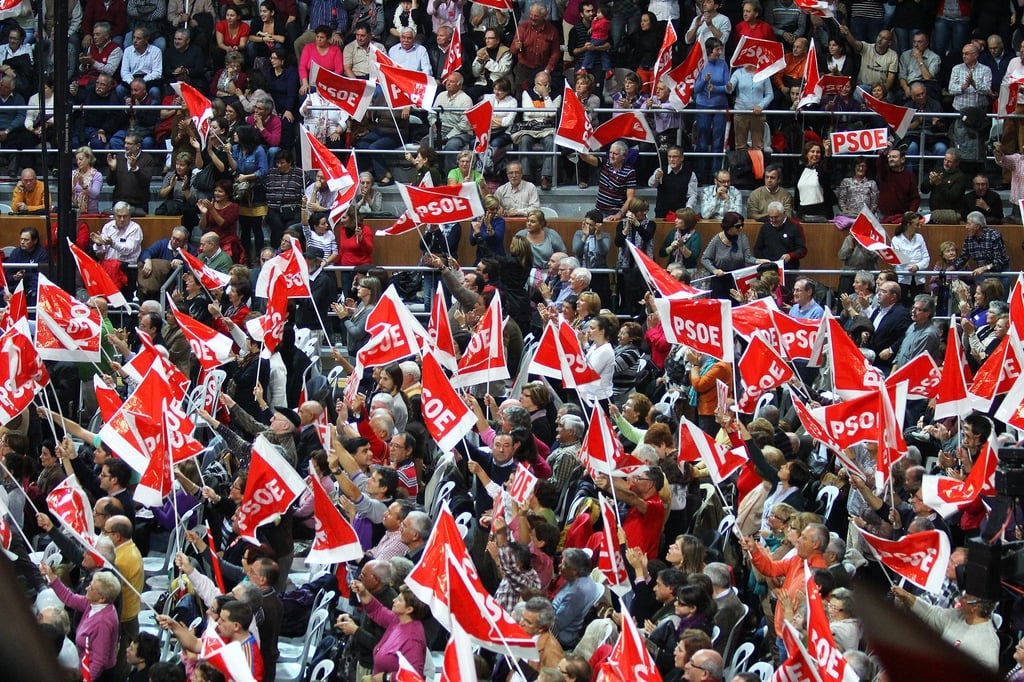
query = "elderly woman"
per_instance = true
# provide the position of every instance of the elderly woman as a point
(627, 360)
(464, 172)
(729, 251)
(857, 191)
(368, 199)
(843, 623)
(535, 130)
(536, 398)
(981, 341)
(985, 292)
(860, 300)
(682, 245)
(487, 233)
(97, 630)
(543, 240)
(403, 630)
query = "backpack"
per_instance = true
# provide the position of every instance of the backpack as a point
(297, 607)
(647, 374)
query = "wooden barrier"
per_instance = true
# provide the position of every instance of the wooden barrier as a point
(153, 227)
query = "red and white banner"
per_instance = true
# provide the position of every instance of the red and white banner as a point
(609, 557)
(334, 542)
(459, 662)
(576, 373)
(446, 580)
(762, 369)
(439, 332)
(629, 660)
(268, 328)
(664, 62)
(66, 328)
(95, 279)
(947, 495)
(704, 325)
(22, 373)
(921, 376)
(503, 5)
(800, 666)
(231, 659)
(16, 312)
(812, 422)
(768, 57)
(484, 359)
(439, 205)
(629, 125)
(921, 558)
(547, 360)
(818, 8)
(682, 78)
(852, 421)
(210, 278)
(897, 117)
(870, 234)
(394, 332)
(659, 279)
(348, 194)
(107, 398)
(796, 337)
(351, 95)
(695, 444)
(448, 419)
(1016, 301)
(289, 270)
(810, 88)
(859, 141)
(211, 348)
(156, 481)
(479, 117)
(822, 647)
(601, 452)
(997, 374)
(951, 397)
(406, 673)
(316, 156)
(852, 374)
(453, 57)
(199, 108)
(1011, 410)
(833, 85)
(574, 129)
(405, 87)
(756, 319)
(272, 486)
(69, 503)
(522, 486)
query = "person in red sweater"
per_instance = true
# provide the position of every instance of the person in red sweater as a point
(646, 517)
(355, 246)
(752, 25)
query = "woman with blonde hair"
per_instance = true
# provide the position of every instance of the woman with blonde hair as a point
(86, 181)
(543, 240)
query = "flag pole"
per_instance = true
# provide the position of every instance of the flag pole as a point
(18, 483)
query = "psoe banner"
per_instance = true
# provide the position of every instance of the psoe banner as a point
(860, 141)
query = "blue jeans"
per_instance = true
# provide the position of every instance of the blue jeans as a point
(375, 140)
(590, 57)
(949, 34)
(710, 138)
(866, 30)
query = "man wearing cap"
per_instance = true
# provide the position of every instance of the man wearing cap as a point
(284, 423)
(323, 287)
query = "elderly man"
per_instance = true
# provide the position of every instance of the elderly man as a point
(130, 175)
(564, 464)
(141, 121)
(363, 632)
(922, 335)
(970, 82)
(721, 198)
(983, 246)
(781, 238)
(730, 608)
(517, 196)
(890, 319)
(158, 259)
(804, 306)
(877, 61)
(646, 516)
(267, 124)
(968, 626)
(128, 561)
(541, 105)
(185, 61)
(576, 597)
(119, 240)
(538, 620)
(415, 529)
(920, 65)
(101, 55)
(29, 194)
(810, 548)
(793, 71)
(982, 198)
(935, 140)
(617, 184)
(947, 186)
(142, 60)
(456, 131)
(705, 664)
(409, 54)
(535, 46)
(98, 126)
(212, 255)
(771, 191)
(677, 185)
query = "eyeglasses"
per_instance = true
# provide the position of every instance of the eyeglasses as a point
(680, 602)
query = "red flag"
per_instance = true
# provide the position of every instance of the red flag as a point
(394, 332)
(702, 324)
(453, 58)
(96, 280)
(629, 660)
(22, 374)
(576, 373)
(921, 558)
(682, 78)
(951, 399)
(522, 486)
(853, 376)
(458, 663)
(1016, 301)
(503, 5)
(484, 359)
(813, 423)
(66, 328)
(106, 397)
(574, 128)
(439, 205)
(272, 487)
(351, 95)
(316, 156)
(659, 279)
(601, 452)
(231, 659)
(762, 369)
(870, 234)
(269, 327)
(86, 663)
(446, 580)
(664, 61)
(768, 57)
(347, 195)
(448, 419)
(921, 375)
(831, 664)
(69, 503)
(439, 332)
(897, 117)
(800, 666)
(547, 361)
(720, 461)
(210, 278)
(810, 88)
(17, 309)
(334, 542)
(407, 88)
(406, 673)
(289, 270)
(947, 495)
(818, 8)
(479, 116)
(209, 346)
(156, 480)
(629, 125)
(755, 319)
(796, 337)
(199, 108)
(833, 85)
(218, 576)
(404, 223)
(609, 557)
(997, 374)
(853, 421)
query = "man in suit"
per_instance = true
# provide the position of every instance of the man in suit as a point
(890, 319)
(730, 609)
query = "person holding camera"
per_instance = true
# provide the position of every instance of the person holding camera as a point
(636, 229)
(590, 245)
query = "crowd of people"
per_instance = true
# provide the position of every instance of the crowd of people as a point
(695, 590)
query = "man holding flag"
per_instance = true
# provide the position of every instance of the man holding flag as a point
(968, 626)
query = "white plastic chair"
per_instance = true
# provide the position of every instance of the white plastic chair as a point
(549, 212)
(5, 209)
(762, 669)
(322, 671)
(292, 670)
(739, 659)
(707, 491)
(828, 493)
(727, 522)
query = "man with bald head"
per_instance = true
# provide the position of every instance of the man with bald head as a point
(307, 439)
(128, 561)
(705, 664)
(456, 131)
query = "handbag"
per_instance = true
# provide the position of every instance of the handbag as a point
(242, 192)
(205, 178)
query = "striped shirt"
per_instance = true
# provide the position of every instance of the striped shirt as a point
(612, 187)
